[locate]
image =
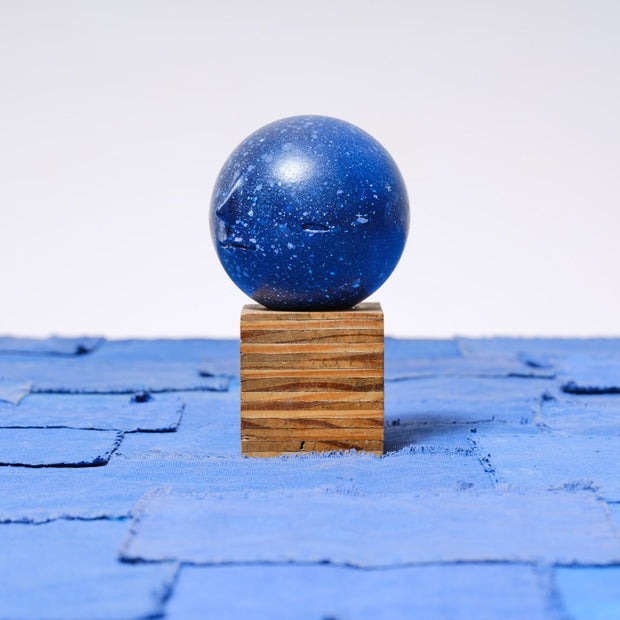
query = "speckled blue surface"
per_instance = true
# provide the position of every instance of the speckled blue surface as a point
(309, 213)
(497, 497)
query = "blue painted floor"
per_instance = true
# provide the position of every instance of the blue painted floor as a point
(123, 493)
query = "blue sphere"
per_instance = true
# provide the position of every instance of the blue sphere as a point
(309, 213)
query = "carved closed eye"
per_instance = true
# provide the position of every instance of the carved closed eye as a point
(239, 245)
(315, 227)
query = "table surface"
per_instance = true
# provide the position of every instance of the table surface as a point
(123, 493)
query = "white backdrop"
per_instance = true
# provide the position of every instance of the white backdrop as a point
(115, 117)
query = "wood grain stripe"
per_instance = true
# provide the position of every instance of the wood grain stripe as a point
(293, 414)
(312, 384)
(312, 434)
(318, 360)
(351, 325)
(321, 405)
(320, 373)
(293, 398)
(350, 423)
(293, 336)
(310, 349)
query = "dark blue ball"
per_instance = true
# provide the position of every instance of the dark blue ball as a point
(309, 213)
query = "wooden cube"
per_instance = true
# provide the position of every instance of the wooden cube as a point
(311, 381)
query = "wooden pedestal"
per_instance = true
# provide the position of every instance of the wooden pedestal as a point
(311, 381)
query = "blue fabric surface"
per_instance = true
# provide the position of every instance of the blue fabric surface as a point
(421, 348)
(89, 493)
(90, 374)
(50, 346)
(582, 415)
(538, 349)
(68, 570)
(210, 428)
(449, 400)
(161, 412)
(533, 459)
(614, 509)
(338, 528)
(210, 358)
(590, 593)
(488, 466)
(426, 358)
(35, 447)
(591, 374)
(192, 351)
(458, 592)
(397, 368)
(86, 493)
(13, 391)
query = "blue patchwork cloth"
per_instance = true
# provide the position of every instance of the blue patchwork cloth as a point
(12, 391)
(211, 427)
(43, 495)
(452, 400)
(454, 591)
(614, 509)
(88, 493)
(89, 374)
(591, 374)
(50, 346)
(421, 349)
(68, 570)
(140, 412)
(497, 495)
(193, 350)
(589, 593)
(398, 368)
(538, 352)
(531, 458)
(582, 415)
(334, 528)
(410, 359)
(59, 447)
(211, 358)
